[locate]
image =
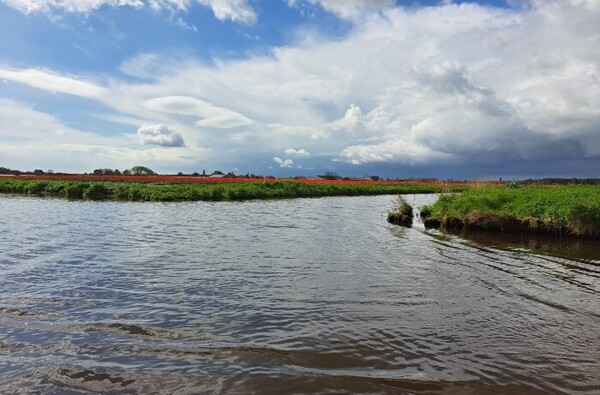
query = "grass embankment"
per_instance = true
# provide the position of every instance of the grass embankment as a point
(185, 191)
(572, 210)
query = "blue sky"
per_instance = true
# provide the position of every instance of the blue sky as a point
(450, 89)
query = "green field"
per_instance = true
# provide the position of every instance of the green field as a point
(145, 191)
(568, 210)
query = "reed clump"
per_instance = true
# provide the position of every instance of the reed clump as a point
(402, 214)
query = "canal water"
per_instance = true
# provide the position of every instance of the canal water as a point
(286, 297)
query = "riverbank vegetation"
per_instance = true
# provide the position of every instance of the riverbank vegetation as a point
(565, 210)
(572, 210)
(162, 188)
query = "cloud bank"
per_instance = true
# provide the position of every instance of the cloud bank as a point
(434, 86)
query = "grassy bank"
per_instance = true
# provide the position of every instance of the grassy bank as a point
(182, 191)
(566, 210)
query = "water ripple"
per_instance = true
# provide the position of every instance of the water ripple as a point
(289, 296)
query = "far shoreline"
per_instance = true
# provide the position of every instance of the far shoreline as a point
(175, 188)
(565, 210)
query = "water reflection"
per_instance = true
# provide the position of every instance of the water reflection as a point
(579, 249)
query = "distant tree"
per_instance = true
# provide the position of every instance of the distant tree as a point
(217, 172)
(180, 174)
(106, 172)
(203, 173)
(230, 175)
(116, 172)
(142, 171)
(195, 174)
(38, 172)
(126, 172)
(330, 176)
(6, 170)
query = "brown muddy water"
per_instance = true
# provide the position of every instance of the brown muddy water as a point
(288, 296)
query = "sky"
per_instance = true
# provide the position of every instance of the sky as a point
(443, 89)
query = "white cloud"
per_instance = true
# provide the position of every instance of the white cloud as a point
(160, 135)
(211, 116)
(235, 10)
(147, 65)
(346, 9)
(285, 163)
(299, 153)
(53, 82)
(75, 6)
(395, 150)
(353, 122)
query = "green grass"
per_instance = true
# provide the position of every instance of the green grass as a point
(143, 191)
(571, 209)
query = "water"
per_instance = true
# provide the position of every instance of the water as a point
(289, 296)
